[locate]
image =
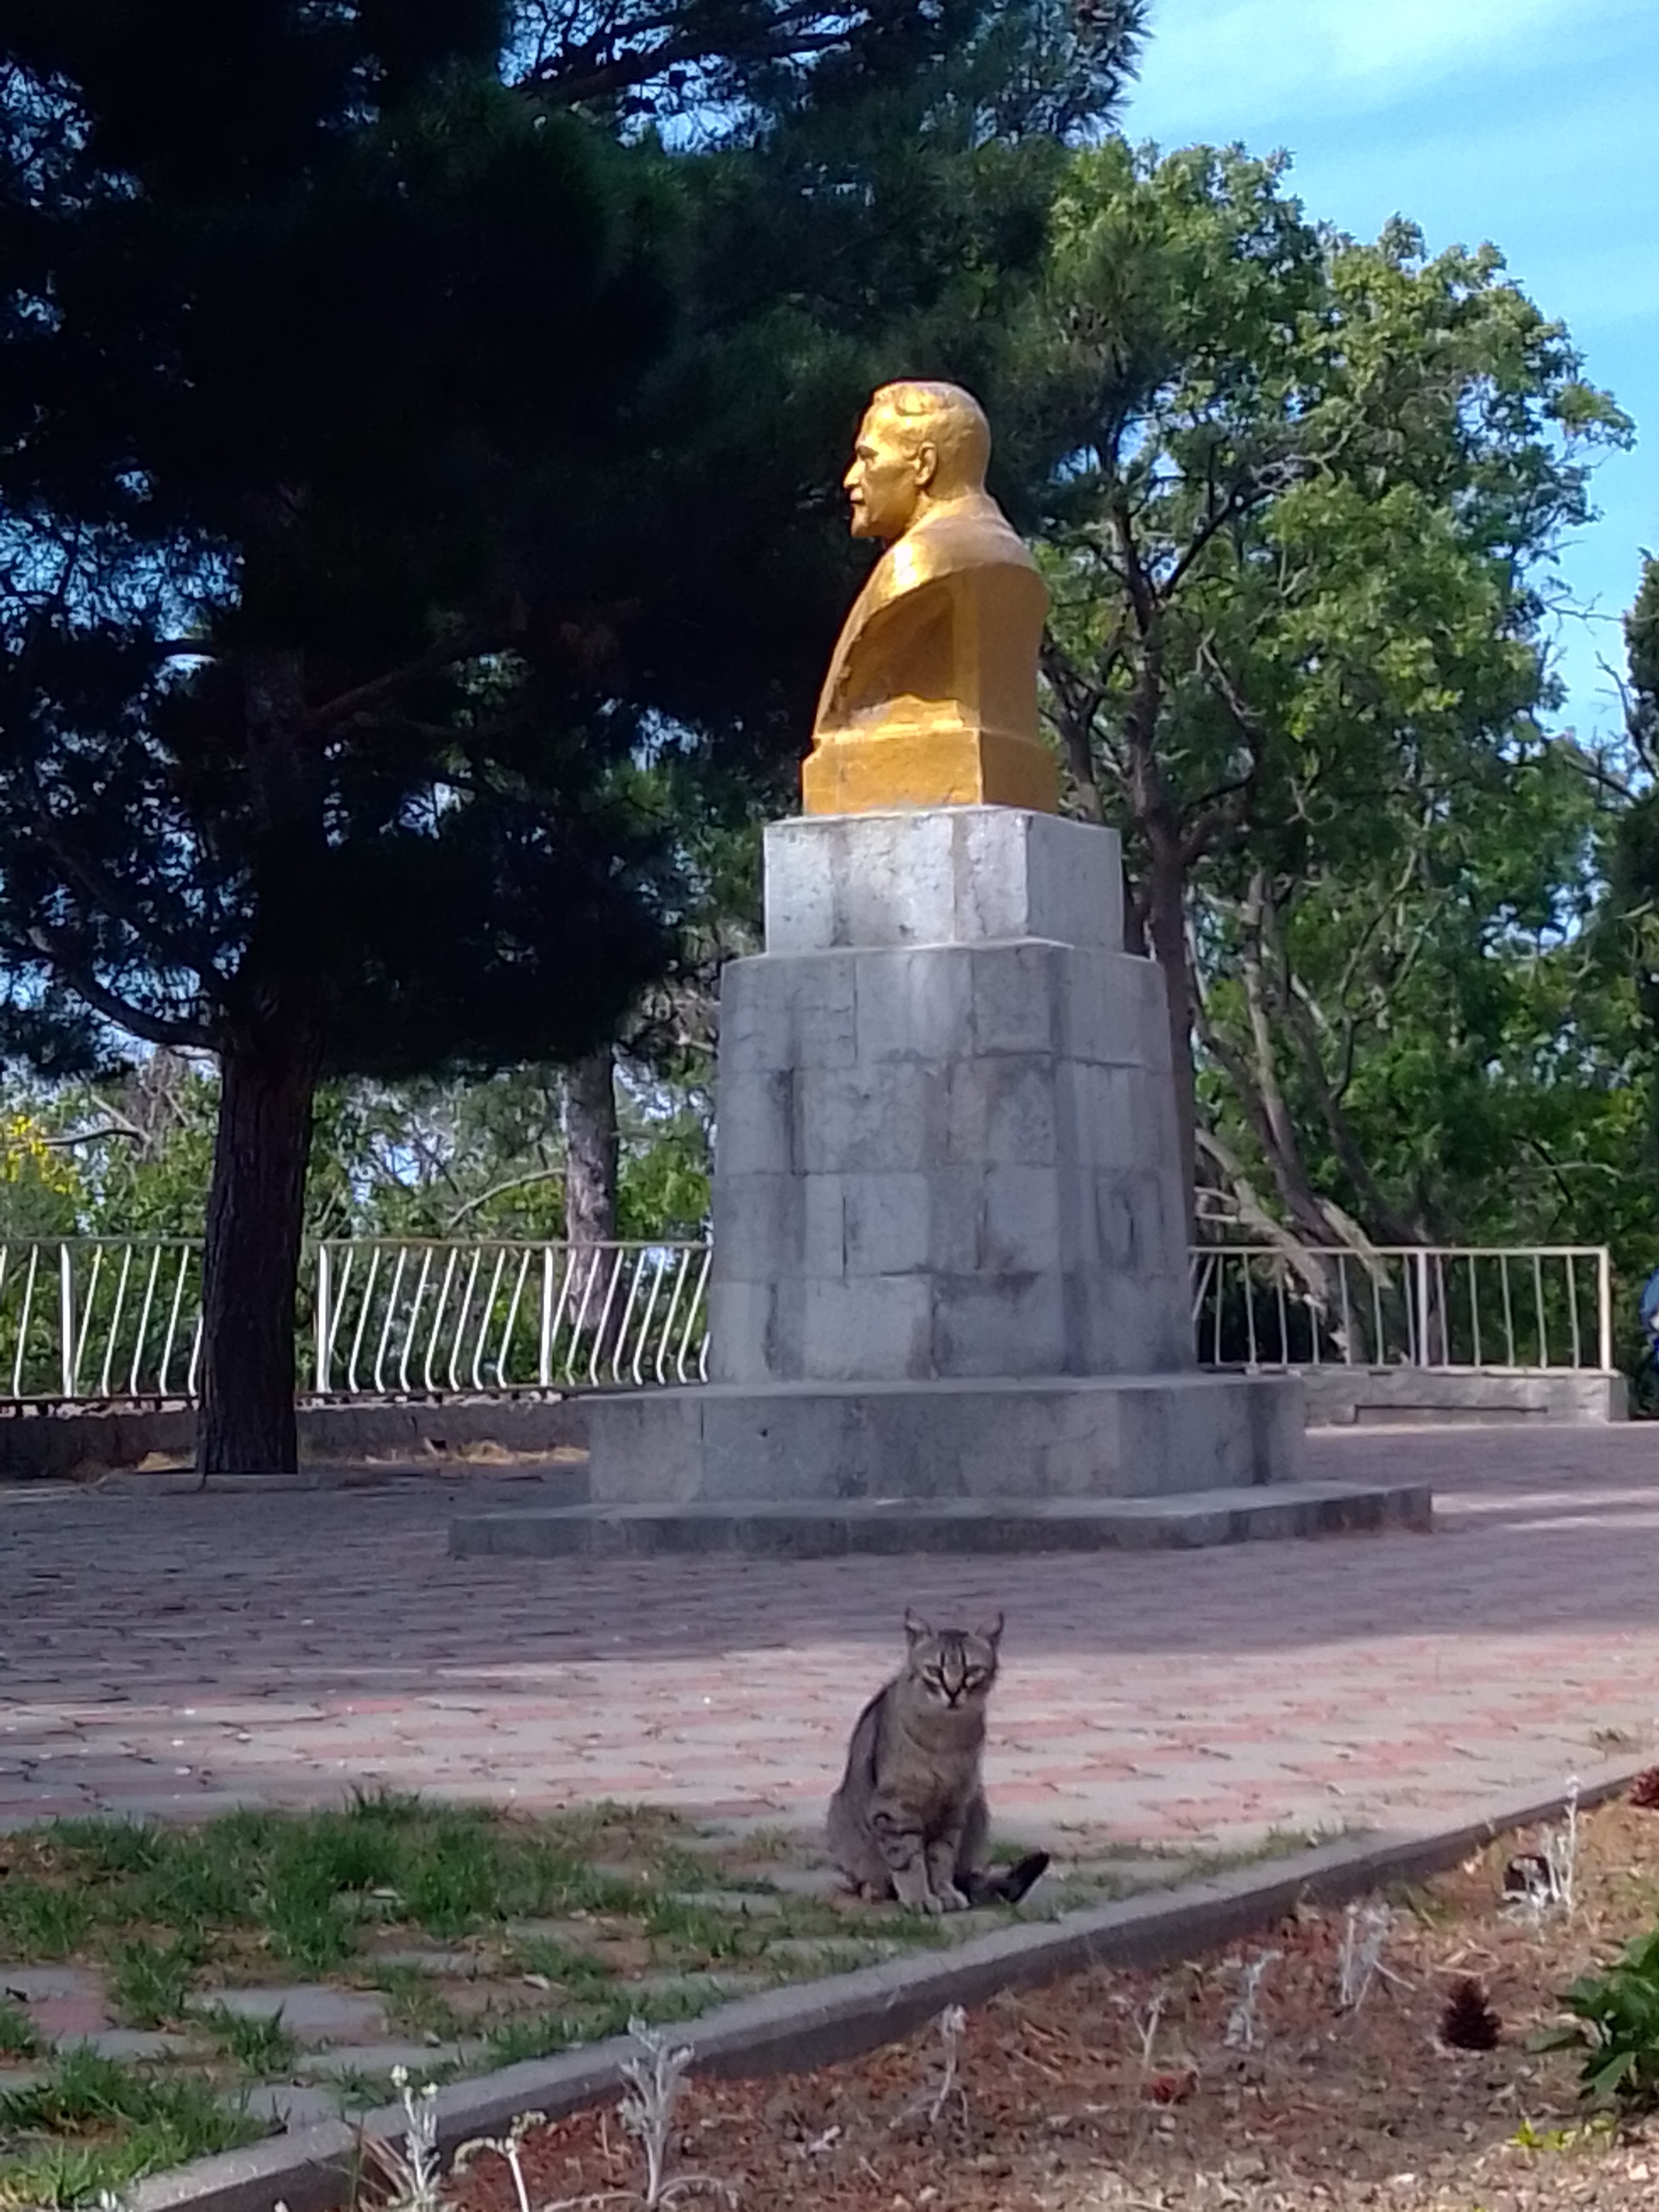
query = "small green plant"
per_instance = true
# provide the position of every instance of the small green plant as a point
(37, 1920)
(16, 2036)
(258, 2041)
(416, 2005)
(148, 1982)
(1616, 2027)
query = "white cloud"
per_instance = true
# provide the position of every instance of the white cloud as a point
(1223, 68)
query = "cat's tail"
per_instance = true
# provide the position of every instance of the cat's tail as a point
(1005, 1885)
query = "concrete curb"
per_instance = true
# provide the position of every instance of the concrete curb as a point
(813, 2024)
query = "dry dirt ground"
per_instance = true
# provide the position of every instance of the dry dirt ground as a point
(1133, 2092)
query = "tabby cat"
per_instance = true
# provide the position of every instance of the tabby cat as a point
(909, 1819)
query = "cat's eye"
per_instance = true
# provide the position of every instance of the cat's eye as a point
(975, 1677)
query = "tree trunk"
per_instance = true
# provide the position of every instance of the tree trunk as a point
(251, 1265)
(1166, 906)
(590, 1149)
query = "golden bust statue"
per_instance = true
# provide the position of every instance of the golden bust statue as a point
(931, 699)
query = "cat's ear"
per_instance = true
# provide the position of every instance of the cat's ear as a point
(917, 1630)
(992, 1633)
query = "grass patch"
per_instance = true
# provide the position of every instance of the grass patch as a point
(148, 1983)
(95, 2125)
(416, 2006)
(16, 2036)
(258, 2042)
(42, 1920)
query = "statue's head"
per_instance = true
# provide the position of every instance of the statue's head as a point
(919, 445)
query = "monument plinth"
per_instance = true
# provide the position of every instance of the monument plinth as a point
(949, 1302)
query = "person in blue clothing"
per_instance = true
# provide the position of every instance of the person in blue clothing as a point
(1645, 1384)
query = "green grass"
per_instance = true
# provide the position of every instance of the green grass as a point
(416, 2005)
(16, 2036)
(257, 1898)
(92, 2125)
(39, 1920)
(258, 2042)
(148, 1983)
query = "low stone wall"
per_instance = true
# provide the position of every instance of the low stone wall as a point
(1350, 1397)
(57, 1446)
(62, 1445)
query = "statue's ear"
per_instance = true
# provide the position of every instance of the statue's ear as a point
(915, 1628)
(927, 462)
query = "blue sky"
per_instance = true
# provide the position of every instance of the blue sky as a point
(1532, 122)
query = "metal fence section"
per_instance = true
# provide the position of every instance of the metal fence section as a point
(100, 1320)
(1545, 1308)
(396, 1319)
(107, 1321)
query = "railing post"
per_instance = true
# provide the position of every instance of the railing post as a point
(1420, 1268)
(544, 1333)
(324, 1289)
(68, 1363)
(1604, 1307)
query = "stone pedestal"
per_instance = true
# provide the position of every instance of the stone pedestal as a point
(949, 1280)
(950, 1254)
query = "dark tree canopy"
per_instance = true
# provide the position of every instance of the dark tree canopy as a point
(419, 428)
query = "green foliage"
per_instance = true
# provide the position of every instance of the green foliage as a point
(1298, 553)
(1617, 2013)
(149, 1982)
(258, 2042)
(93, 2125)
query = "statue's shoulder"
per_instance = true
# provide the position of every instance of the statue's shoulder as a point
(974, 535)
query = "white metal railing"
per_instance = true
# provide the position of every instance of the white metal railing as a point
(100, 1319)
(103, 1321)
(1543, 1308)
(396, 1319)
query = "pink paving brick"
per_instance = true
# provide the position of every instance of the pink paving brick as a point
(282, 1647)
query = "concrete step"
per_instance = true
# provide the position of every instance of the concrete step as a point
(1183, 1521)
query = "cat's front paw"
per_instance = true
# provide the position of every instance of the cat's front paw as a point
(950, 1900)
(931, 1904)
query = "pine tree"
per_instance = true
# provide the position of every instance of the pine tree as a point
(414, 415)
(317, 343)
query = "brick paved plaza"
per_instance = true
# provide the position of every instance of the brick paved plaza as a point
(175, 1655)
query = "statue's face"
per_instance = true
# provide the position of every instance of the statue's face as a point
(891, 468)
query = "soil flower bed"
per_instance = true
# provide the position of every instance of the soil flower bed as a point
(168, 1992)
(1240, 2081)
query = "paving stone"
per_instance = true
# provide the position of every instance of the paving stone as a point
(725, 1981)
(310, 2010)
(753, 1903)
(1174, 1699)
(53, 2017)
(793, 1881)
(808, 1949)
(568, 1934)
(380, 2058)
(30, 1985)
(457, 1966)
(130, 2043)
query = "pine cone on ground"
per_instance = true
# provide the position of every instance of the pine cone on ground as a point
(1468, 2022)
(1644, 1790)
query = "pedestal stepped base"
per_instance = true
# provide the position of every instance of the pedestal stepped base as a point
(1048, 1436)
(889, 1527)
(950, 1282)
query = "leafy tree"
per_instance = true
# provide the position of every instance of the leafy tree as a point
(1295, 546)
